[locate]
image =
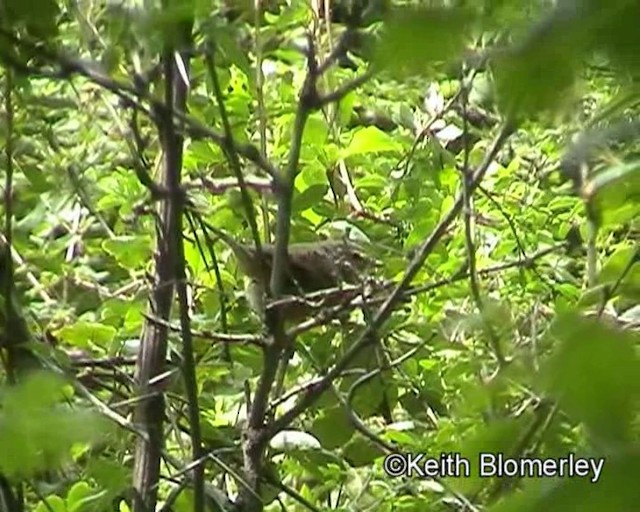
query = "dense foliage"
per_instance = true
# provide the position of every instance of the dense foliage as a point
(481, 156)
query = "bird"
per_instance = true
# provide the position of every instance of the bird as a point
(312, 267)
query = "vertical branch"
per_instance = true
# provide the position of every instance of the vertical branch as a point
(262, 111)
(9, 338)
(255, 438)
(592, 230)
(7, 264)
(149, 413)
(308, 100)
(188, 360)
(230, 150)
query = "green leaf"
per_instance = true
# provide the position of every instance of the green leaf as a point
(615, 265)
(332, 427)
(627, 98)
(38, 16)
(96, 501)
(109, 474)
(312, 174)
(370, 140)
(83, 334)
(79, 491)
(37, 179)
(131, 252)
(316, 131)
(227, 44)
(417, 39)
(616, 490)
(615, 31)
(594, 374)
(37, 430)
(372, 181)
(615, 194)
(53, 504)
(112, 58)
(497, 437)
(309, 197)
(200, 153)
(361, 451)
(537, 76)
(345, 108)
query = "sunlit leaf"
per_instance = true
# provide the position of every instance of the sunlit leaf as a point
(82, 334)
(129, 251)
(53, 504)
(370, 140)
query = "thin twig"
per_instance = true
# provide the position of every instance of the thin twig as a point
(469, 231)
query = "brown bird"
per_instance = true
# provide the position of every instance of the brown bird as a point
(313, 266)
